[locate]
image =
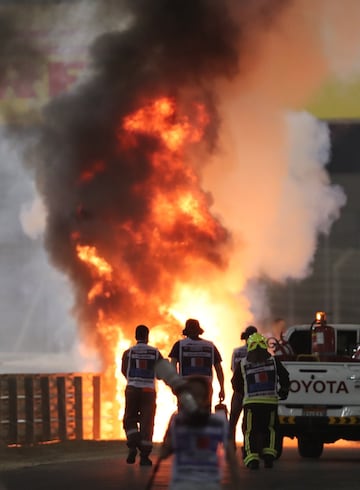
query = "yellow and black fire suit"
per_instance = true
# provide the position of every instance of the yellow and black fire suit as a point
(261, 379)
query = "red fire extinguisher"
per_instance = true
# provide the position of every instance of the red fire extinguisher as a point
(322, 335)
(222, 410)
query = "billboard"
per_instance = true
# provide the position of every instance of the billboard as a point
(42, 54)
(337, 101)
(53, 38)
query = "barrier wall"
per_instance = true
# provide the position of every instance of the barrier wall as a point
(39, 408)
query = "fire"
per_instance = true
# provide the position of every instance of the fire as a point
(190, 206)
(174, 248)
(89, 255)
(117, 343)
(103, 269)
(157, 118)
(90, 173)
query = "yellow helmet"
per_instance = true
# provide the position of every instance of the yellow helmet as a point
(256, 340)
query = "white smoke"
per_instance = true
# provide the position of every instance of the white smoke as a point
(35, 299)
(269, 178)
(33, 217)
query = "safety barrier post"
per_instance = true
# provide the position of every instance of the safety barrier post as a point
(61, 402)
(78, 408)
(29, 409)
(96, 407)
(13, 410)
(45, 408)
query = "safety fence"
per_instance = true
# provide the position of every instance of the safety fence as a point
(37, 408)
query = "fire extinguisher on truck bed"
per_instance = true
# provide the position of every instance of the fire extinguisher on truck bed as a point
(322, 335)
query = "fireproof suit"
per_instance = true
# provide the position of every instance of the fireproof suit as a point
(138, 364)
(237, 398)
(261, 379)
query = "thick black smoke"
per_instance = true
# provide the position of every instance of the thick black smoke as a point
(170, 48)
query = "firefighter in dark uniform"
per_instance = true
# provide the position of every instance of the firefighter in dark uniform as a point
(262, 379)
(237, 398)
(140, 397)
(194, 355)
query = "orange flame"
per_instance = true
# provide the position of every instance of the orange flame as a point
(103, 269)
(112, 404)
(176, 204)
(157, 119)
(89, 255)
(90, 173)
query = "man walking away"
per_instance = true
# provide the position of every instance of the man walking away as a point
(194, 355)
(138, 364)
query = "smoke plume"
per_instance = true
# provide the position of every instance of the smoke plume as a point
(234, 72)
(245, 196)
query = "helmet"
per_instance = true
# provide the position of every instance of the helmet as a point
(248, 331)
(256, 340)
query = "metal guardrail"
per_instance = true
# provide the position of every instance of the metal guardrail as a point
(38, 408)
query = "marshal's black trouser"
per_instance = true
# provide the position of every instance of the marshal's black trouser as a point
(138, 422)
(260, 422)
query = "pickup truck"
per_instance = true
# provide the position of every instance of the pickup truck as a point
(324, 399)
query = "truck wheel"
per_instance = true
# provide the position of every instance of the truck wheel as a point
(309, 447)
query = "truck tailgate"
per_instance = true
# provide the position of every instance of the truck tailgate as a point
(322, 388)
